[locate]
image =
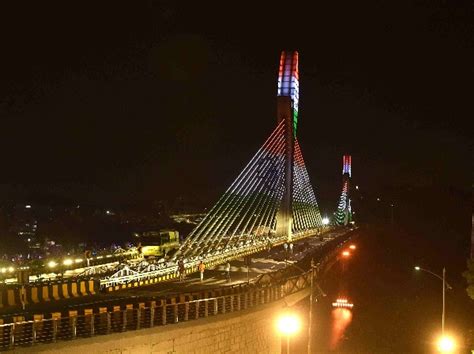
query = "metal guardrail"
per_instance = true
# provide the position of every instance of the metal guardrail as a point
(150, 314)
(142, 315)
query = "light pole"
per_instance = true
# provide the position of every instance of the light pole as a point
(313, 267)
(310, 320)
(288, 324)
(445, 284)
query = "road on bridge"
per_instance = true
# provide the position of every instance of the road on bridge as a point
(263, 262)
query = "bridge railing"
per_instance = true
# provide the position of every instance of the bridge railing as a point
(103, 320)
(142, 315)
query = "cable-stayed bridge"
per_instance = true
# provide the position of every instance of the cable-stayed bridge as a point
(271, 201)
(344, 209)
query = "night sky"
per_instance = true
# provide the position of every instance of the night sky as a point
(114, 102)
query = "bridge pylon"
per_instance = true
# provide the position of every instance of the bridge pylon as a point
(287, 112)
(344, 210)
(272, 200)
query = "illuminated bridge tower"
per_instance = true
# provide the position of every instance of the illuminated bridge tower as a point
(344, 212)
(272, 200)
(287, 114)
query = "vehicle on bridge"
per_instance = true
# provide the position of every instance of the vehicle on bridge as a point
(157, 243)
(343, 302)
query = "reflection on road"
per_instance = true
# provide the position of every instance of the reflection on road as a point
(341, 318)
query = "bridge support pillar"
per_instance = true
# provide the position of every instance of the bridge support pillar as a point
(284, 216)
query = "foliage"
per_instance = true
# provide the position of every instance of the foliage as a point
(469, 275)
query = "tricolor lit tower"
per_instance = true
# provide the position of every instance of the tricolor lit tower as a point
(344, 213)
(287, 114)
(272, 200)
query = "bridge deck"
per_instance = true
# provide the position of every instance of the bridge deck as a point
(263, 262)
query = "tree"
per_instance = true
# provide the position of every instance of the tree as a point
(469, 275)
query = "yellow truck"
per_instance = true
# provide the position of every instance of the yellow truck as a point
(158, 243)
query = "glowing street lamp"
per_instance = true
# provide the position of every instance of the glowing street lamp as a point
(352, 247)
(325, 221)
(445, 285)
(446, 344)
(346, 254)
(288, 324)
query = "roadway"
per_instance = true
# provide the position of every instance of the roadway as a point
(263, 262)
(396, 309)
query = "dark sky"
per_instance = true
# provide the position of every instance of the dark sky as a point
(114, 102)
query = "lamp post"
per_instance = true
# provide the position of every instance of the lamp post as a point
(310, 319)
(445, 284)
(288, 324)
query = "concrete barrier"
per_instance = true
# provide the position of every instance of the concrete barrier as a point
(3, 297)
(45, 293)
(33, 295)
(11, 296)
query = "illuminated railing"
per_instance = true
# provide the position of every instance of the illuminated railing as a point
(127, 275)
(143, 315)
(116, 319)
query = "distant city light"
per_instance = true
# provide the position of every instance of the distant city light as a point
(417, 268)
(346, 254)
(352, 247)
(325, 221)
(378, 199)
(52, 264)
(357, 187)
(11, 269)
(27, 206)
(78, 260)
(67, 262)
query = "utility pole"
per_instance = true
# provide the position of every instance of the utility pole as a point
(444, 300)
(310, 324)
(392, 206)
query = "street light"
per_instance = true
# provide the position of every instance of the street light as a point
(325, 221)
(288, 324)
(445, 284)
(352, 247)
(310, 317)
(346, 254)
(446, 344)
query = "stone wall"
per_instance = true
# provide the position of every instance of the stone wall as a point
(247, 331)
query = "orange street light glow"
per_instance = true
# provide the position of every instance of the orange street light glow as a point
(288, 324)
(446, 344)
(352, 247)
(346, 254)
